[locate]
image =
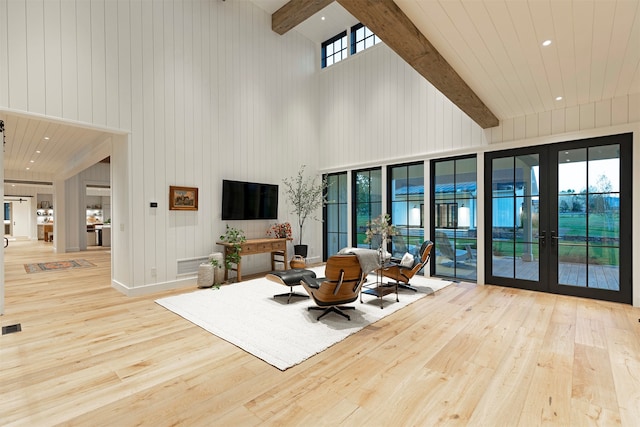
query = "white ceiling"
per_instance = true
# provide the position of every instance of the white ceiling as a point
(44, 149)
(495, 46)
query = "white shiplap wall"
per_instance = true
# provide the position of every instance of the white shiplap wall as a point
(206, 90)
(375, 108)
(582, 118)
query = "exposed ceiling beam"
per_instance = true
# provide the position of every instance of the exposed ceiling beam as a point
(294, 13)
(389, 22)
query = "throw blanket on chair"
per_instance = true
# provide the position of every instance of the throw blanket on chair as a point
(368, 258)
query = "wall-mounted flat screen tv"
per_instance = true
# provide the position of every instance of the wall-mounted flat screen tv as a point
(249, 200)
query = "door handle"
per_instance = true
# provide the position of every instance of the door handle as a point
(543, 237)
(554, 238)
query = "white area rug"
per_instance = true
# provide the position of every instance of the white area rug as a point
(283, 335)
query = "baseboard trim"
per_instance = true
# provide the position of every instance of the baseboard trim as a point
(154, 287)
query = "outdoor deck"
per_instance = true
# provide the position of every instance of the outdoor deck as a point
(600, 276)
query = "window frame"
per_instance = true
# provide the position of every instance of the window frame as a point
(354, 38)
(332, 41)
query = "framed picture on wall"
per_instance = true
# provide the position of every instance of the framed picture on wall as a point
(183, 198)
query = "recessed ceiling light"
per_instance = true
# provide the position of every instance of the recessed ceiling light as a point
(37, 151)
(31, 161)
(28, 168)
(546, 43)
(46, 138)
(558, 98)
(322, 18)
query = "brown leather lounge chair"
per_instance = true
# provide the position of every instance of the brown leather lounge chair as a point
(401, 275)
(341, 285)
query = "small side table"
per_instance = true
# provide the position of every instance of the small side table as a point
(379, 288)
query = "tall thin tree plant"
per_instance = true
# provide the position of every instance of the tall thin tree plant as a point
(305, 195)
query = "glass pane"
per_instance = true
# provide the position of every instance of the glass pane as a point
(604, 268)
(502, 178)
(342, 242)
(572, 267)
(572, 171)
(376, 186)
(362, 188)
(399, 184)
(604, 219)
(446, 214)
(444, 178)
(332, 243)
(466, 178)
(528, 227)
(332, 189)
(399, 246)
(464, 213)
(416, 184)
(504, 212)
(572, 227)
(342, 197)
(604, 169)
(526, 175)
(332, 217)
(359, 46)
(329, 49)
(503, 257)
(570, 203)
(344, 217)
(376, 210)
(527, 263)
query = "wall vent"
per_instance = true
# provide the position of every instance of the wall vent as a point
(190, 265)
(11, 329)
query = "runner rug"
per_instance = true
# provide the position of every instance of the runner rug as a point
(247, 315)
(57, 265)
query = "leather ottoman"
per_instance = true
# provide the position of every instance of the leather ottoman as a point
(290, 278)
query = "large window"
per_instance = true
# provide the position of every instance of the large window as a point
(362, 38)
(367, 202)
(453, 217)
(336, 214)
(406, 203)
(334, 50)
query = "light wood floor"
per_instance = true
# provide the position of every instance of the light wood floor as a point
(470, 355)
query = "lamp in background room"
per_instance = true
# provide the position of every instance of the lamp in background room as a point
(464, 217)
(414, 218)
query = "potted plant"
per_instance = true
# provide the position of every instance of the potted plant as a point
(235, 237)
(218, 269)
(380, 226)
(305, 195)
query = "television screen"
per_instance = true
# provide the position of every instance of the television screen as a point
(249, 200)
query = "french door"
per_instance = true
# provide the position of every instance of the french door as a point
(559, 218)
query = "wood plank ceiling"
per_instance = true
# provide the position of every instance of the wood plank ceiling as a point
(495, 46)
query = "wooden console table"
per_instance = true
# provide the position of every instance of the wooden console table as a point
(257, 246)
